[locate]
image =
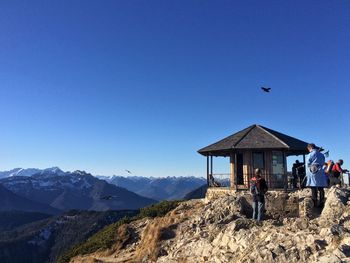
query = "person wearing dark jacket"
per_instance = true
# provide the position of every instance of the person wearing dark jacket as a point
(258, 188)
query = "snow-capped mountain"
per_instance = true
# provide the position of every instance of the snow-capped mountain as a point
(73, 190)
(53, 171)
(19, 172)
(54, 180)
(31, 171)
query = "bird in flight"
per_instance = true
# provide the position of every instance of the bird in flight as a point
(108, 197)
(128, 171)
(266, 89)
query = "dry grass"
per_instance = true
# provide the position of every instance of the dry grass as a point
(123, 236)
(157, 230)
(149, 246)
(149, 242)
(85, 260)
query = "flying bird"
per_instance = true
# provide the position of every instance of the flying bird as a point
(266, 89)
(108, 197)
(128, 171)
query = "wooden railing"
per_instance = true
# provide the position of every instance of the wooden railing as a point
(273, 181)
(219, 180)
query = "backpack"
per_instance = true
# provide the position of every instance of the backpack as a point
(254, 186)
(329, 167)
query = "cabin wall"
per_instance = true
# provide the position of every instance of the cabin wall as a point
(248, 169)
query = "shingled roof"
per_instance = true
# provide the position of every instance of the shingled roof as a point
(255, 137)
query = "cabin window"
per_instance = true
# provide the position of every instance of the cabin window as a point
(258, 160)
(277, 169)
(239, 165)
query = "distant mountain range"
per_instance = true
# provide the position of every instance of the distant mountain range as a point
(29, 198)
(65, 191)
(165, 188)
(31, 171)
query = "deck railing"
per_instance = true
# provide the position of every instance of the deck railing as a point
(273, 181)
(219, 180)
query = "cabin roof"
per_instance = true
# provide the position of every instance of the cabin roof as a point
(255, 137)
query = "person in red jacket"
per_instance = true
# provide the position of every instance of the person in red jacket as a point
(337, 170)
(258, 188)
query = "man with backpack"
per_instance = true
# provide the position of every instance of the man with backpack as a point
(258, 188)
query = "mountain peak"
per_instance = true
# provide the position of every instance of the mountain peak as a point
(19, 172)
(53, 170)
(80, 172)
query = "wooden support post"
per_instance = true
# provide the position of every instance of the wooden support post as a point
(235, 170)
(208, 170)
(232, 171)
(302, 182)
(285, 171)
(211, 166)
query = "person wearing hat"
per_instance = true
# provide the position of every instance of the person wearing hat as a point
(315, 176)
(258, 188)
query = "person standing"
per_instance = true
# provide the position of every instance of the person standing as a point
(258, 188)
(315, 175)
(337, 171)
(328, 171)
(295, 173)
(298, 171)
(301, 175)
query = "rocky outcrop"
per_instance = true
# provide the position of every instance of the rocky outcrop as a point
(221, 231)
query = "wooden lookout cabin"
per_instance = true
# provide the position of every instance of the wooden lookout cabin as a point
(251, 148)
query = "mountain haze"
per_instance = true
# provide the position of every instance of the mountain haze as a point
(164, 188)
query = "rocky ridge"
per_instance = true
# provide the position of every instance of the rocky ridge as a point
(221, 231)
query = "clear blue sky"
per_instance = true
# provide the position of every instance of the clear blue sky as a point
(105, 86)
